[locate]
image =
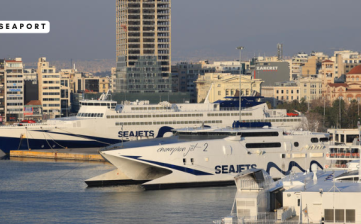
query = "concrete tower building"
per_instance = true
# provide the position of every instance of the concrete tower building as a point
(143, 29)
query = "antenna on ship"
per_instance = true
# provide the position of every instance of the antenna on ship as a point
(240, 48)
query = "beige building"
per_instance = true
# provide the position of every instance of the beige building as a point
(310, 88)
(49, 88)
(327, 74)
(347, 91)
(104, 84)
(287, 93)
(220, 85)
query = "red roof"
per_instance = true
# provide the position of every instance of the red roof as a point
(12, 61)
(355, 70)
(337, 84)
(327, 61)
(34, 102)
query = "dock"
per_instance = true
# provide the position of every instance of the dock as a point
(80, 154)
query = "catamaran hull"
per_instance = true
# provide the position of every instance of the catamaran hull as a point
(212, 162)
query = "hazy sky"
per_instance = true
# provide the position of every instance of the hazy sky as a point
(85, 29)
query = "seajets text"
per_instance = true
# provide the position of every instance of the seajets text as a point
(233, 169)
(136, 134)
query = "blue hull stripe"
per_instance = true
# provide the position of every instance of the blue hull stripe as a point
(7, 144)
(290, 166)
(171, 166)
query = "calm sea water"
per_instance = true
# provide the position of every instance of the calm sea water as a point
(48, 191)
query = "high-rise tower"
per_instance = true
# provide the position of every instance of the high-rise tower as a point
(143, 46)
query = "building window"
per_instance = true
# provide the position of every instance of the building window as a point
(219, 93)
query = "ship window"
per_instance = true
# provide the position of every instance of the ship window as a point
(350, 138)
(93, 115)
(350, 216)
(264, 145)
(296, 144)
(192, 161)
(96, 104)
(283, 156)
(314, 140)
(184, 161)
(339, 215)
(258, 134)
(328, 215)
(323, 139)
(108, 117)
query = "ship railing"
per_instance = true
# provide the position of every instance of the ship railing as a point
(23, 125)
(344, 152)
(261, 218)
(343, 155)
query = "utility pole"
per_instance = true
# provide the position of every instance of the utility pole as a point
(240, 48)
(324, 111)
(339, 107)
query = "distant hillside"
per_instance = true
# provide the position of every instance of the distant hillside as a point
(100, 66)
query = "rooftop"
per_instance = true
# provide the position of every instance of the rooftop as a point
(355, 70)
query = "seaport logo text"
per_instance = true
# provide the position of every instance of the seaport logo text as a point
(24, 26)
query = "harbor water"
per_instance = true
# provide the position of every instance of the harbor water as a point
(49, 191)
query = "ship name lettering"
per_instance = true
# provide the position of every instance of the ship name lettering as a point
(233, 168)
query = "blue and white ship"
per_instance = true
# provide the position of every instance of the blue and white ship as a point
(196, 157)
(103, 122)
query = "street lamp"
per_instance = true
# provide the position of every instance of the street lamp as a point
(240, 48)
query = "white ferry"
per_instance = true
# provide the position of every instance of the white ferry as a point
(211, 157)
(102, 122)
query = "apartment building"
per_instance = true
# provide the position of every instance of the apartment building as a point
(310, 88)
(232, 67)
(328, 74)
(286, 91)
(31, 85)
(143, 34)
(14, 89)
(296, 64)
(49, 88)
(2, 91)
(220, 85)
(184, 75)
